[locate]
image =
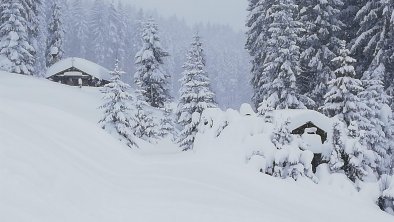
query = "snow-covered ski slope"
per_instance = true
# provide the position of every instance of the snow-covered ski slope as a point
(56, 164)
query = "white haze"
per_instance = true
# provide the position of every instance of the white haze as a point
(226, 12)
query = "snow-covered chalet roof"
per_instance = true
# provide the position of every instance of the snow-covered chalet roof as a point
(84, 65)
(299, 117)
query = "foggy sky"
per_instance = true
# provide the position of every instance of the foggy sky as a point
(227, 12)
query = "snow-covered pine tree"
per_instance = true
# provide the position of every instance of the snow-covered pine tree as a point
(195, 94)
(342, 98)
(355, 155)
(55, 36)
(374, 34)
(336, 161)
(14, 37)
(281, 65)
(39, 40)
(98, 31)
(34, 18)
(167, 122)
(289, 160)
(375, 137)
(114, 25)
(348, 154)
(144, 126)
(319, 46)
(150, 76)
(79, 38)
(117, 107)
(122, 34)
(257, 37)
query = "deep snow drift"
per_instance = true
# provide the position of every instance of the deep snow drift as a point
(56, 164)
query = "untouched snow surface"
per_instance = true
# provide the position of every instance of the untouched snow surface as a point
(56, 164)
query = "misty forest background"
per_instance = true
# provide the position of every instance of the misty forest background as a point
(103, 31)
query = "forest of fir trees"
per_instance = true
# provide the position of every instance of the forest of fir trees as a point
(105, 30)
(334, 57)
(331, 56)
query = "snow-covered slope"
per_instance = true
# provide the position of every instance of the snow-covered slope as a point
(56, 164)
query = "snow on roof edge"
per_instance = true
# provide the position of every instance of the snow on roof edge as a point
(84, 65)
(299, 117)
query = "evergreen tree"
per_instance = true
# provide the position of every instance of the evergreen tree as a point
(289, 160)
(144, 126)
(98, 31)
(166, 122)
(115, 33)
(14, 37)
(374, 37)
(79, 38)
(348, 154)
(281, 64)
(375, 138)
(257, 38)
(122, 34)
(117, 108)
(150, 76)
(56, 36)
(35, 20)
(342, 97)
(319, 46)
(195, 94)
(336, 162)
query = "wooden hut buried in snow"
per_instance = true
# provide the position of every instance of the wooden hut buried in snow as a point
(78, 72)
(313, 127)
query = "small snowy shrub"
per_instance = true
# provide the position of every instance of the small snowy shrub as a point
(143, 125)
(289, 159)
(386, 199)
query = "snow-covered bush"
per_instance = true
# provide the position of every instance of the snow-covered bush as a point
(166, 121)
(289, 159)
(144, 125)
(386, 199)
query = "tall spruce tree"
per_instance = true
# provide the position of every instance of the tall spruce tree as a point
(14, 37)
(319, 46)
(281, 64)
(342, 98)
(257, 38)
(348, 155)
(195, 94)
(55, 36)
(99, 31)
(117, 108)
(80, 29)
(34, 18)
(150, 75)
(375, 137)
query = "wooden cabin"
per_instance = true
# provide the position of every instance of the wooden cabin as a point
(312, 127)
(78, 72)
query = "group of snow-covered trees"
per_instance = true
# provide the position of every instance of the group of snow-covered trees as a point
(334, 57)
(27, 42)
(148, 115)
(104, 30)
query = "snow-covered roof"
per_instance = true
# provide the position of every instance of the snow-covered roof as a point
(299, 117)
(84, 65)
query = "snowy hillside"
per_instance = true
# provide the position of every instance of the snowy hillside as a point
(56, 164)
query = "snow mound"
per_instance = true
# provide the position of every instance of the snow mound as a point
(82, 64)
(56, 164)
